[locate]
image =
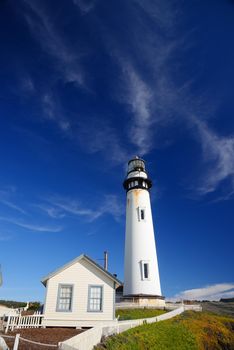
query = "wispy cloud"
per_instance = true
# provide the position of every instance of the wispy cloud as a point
(27, 85)
(218, 153)
(101, 137)
(163, 12)
(12, 206)
(53, 111)
(44, 29)
(51, 211)
(85, 5)
(140, 99)
(147, 85)
(72, 206)
(63, 206)
(158, 101)
(5, 198)
(211, 292)
(113, 206)
(32, 227)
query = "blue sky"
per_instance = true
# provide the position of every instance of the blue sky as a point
(87, 84)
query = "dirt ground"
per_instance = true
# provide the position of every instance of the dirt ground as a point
(42, 335)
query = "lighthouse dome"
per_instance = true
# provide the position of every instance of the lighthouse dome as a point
(136, 164)
(136, 175)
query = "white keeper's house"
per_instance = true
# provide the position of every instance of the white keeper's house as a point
(80, 293)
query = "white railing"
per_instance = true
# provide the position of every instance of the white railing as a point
(195, 307)
(132, 305)
(91, 337)
(18, 321)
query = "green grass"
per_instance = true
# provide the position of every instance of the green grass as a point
(189, 331)
(134, 314)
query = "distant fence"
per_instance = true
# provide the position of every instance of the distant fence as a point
(18, 321)
(168, 306)
(87, 340)
(193, 307)
(133, 305)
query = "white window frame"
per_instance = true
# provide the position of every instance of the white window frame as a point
(143, 262)
(59, 297)
(89, 308)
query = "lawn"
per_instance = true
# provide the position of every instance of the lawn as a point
(134, 314)
(189, 331)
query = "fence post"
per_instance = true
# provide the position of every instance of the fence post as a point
(19, 321)
(8, 322)
(16, 343)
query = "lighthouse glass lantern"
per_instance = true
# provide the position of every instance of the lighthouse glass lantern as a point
(141, 274)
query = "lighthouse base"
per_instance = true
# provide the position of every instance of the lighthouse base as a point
(156, 301)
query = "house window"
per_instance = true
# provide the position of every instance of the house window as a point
(64, 301)
(95, 298)
(142, 214)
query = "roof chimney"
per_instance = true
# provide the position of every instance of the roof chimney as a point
(105, 260)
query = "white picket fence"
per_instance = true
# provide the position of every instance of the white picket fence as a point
(18, 321)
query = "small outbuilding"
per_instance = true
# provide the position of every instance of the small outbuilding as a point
(79, 294)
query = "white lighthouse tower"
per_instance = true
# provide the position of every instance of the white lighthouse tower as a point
(141, 275)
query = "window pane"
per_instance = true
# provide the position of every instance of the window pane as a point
(146, 271)
(65, 298)
(65, 292)
(142, 214)
(95, 298)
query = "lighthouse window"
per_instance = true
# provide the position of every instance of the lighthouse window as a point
(141, 213)
(146, 270)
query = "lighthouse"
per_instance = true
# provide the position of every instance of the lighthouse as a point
(141, 274)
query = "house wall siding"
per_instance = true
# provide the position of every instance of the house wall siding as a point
(80, 275)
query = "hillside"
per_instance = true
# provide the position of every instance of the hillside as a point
(189, 331)
(12, 304)
(34, 305)
(219, 307)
